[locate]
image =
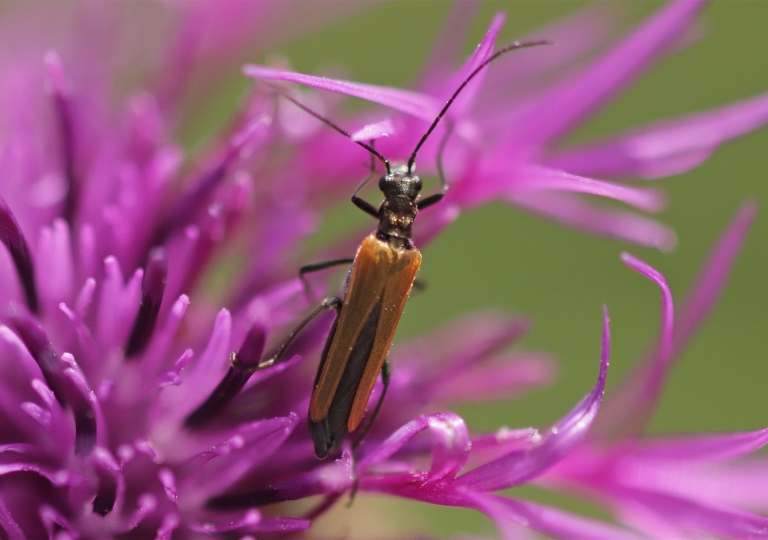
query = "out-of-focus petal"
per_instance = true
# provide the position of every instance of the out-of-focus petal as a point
(504, 379)
(519, 466)
(709, 284)
(413, 103)
(447, 46)
(664, 516)
(483, 51)
(703, 448)
(498, 180)
(510, 514)
(575, 211)
(623, 404)
(575, 99)
(668, 147)
(9, 525)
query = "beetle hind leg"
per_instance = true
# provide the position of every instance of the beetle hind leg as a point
(386, 377)
(239, 372)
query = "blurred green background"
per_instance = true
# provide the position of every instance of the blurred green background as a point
(500, 257)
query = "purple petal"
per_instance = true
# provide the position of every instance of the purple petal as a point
(155, 357)
(703, 448)
(55, 262)
(510, 515)
(12, 237)
(63, 106)
(507, 438)
(637, 409)
(520, 466)
(576, 99)
(483, 51)
(194, 201)
(152, 289)
(450, 445)
(701, 298)
(447, 46)
(632, 409)
(89, 420)
(486, 448)
(170, 523)
(147, 503)
(84, 338)
(522, 75)
(740, 484)
(684, 517)
(88, 260)
(54, 522)
(489, 332)
(111, 484)
(576, 212)
(256, 442)
(710, 283)
(242, 366)
(413, 103)
(385, 128)
(666, 148)
(543, 179)
(212, 362)
(85, 297)
(168, 480)
(9, 525)
(221, 462)
(248, 520)
(253, 522)
(118, 304)
(173, 377)
(504, 379)
(65, 381)
(334, 477)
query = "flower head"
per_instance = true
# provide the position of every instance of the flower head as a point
(133, 404)
(508, 148)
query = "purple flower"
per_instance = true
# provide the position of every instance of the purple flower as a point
(509, 148)
(672, 486)
(125, 408)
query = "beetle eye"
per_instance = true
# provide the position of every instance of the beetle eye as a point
(418, 184)
(382, 183)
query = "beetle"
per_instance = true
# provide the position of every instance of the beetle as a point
(379, 282)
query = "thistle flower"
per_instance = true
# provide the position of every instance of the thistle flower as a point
(509, 148)
(123, 410)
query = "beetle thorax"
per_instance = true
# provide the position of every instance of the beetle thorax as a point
(400, 188)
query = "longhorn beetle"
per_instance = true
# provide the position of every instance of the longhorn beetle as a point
(378, 285)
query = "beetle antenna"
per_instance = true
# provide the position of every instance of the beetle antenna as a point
(514, 46)
(333, 126)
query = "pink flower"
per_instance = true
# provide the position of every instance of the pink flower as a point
(122, 408)
(672, 486)
(508, 148)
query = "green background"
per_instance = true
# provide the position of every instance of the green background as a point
(500, 257)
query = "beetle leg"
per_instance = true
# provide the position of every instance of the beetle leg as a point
(332, 302)
(362, 204)
(386, 376)
(314, 267)
(437, 197)
(238, 373)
